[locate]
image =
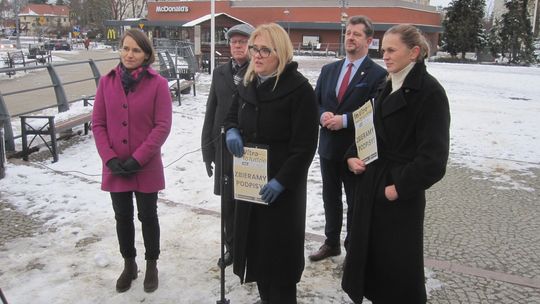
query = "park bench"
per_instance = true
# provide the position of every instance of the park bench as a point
(17, 58)
(181, 79)
(53, 126)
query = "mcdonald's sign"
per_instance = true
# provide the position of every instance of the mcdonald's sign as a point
(111, 34)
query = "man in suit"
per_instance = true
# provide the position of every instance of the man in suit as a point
(225, 79)
(343, 86)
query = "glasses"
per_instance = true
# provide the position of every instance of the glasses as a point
(263, 52)
(239, 42)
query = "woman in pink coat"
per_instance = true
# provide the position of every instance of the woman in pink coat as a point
(131, 121)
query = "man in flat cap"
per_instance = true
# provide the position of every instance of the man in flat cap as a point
(225, 79)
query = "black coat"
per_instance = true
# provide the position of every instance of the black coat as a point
(219, 101)
(269, 240)
(363, 87)
(384, 261)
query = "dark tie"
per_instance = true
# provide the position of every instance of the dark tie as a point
(344, 83)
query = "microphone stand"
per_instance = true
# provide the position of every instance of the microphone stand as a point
(3, 298)
(224, 181)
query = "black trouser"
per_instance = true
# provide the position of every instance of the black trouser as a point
(277, 294)
(125, 228)
(334, 174)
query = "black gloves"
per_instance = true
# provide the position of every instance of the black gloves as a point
(116, 167)
(131, 166)
(209, 168)
(125, 169)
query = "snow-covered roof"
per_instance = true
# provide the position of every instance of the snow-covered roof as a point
(207, 17)
(44, 10)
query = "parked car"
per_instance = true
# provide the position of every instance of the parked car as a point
(7, 45)
(62, 45)
(57, 45)
(49, 45)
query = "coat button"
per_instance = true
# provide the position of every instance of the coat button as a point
(124, 105)
(124, 141)
(124, 123)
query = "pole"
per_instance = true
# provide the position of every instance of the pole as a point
(18, 28)
(534, 16)
(2, 297)
(223, 185)
(212, 36)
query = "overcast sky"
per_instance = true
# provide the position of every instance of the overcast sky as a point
(444, 3)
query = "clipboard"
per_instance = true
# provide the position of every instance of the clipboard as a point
(250, 173)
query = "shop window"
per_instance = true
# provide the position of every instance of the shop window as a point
(310, 41)
(220, 35)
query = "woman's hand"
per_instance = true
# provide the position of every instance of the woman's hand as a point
(391, 193)
(356, 165)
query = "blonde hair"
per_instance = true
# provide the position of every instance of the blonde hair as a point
(281, 45)
(411, 37)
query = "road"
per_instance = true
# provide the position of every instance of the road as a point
(23, 102)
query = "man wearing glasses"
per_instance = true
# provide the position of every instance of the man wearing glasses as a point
(225, 79)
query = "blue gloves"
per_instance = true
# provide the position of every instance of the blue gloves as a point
(234, 142)
(271, 191)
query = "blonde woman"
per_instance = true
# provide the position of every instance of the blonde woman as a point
(274, 107)
(385, 261)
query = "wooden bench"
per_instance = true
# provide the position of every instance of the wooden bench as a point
(181, 79)
(52, 126)
(17, 58)
(179, 86)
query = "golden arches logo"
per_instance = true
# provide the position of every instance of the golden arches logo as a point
(111, 34)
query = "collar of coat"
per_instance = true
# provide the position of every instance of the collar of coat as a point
(150, 71)
(414, 79)
(288, 82)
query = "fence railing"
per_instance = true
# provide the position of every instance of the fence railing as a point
(62, 101)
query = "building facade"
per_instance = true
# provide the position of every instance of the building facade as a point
(37, 19)
(311, 23)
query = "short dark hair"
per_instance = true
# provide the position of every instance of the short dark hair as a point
(143, 42)
(368, 25)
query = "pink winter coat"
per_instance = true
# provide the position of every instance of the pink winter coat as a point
(135, 125)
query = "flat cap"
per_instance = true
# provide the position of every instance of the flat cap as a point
(243, 29)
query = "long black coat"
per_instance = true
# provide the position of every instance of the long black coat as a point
(269, 240)
(384, 260)
(219, 101)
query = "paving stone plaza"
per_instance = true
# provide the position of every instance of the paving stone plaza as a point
(482, 236)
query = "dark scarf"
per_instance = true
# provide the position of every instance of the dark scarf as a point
(238, 71)
(130, 79)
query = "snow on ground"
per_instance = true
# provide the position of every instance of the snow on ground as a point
(74, 257)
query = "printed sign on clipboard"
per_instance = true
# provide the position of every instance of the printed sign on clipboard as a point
(250, 174)
(365, 137)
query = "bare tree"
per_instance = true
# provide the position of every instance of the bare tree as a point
(138, 8)
(119, 8)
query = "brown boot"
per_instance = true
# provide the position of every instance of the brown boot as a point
(128, 274)
(151, 277)
(325, 252)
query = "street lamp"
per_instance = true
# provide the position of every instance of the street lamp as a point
(287, 12)
(344, 4)
(344, 17)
